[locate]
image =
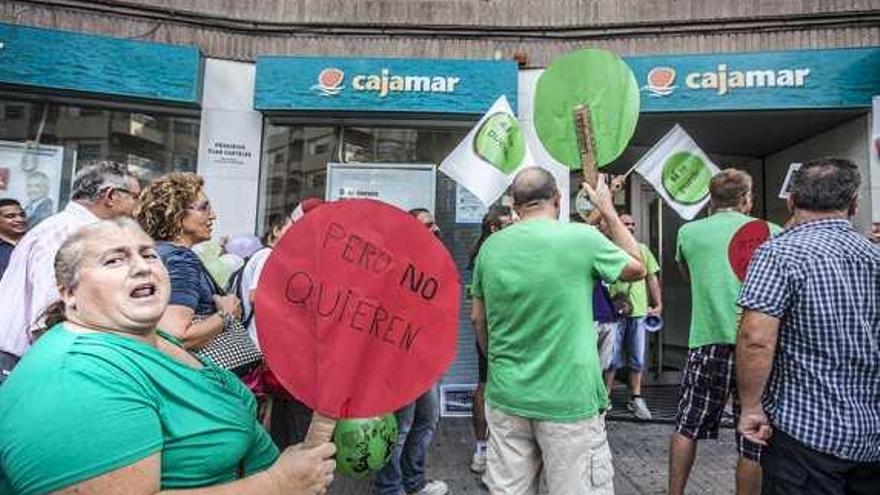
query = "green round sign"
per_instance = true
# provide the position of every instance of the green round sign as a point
(500, 142)
(686, 177)
(364, 445)
(599, 80)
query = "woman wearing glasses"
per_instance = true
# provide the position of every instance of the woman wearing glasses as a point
(175, 212)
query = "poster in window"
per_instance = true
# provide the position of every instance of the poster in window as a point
(457, 400)
(786, 184)
(31, 174)
(468, 208)
(403, 185)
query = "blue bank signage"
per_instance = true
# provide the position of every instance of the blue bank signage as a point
(85, 63)
(382, 84)
(758, 81)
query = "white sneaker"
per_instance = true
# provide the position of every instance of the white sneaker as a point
(639, 408)
(478, 462)
(434, 487)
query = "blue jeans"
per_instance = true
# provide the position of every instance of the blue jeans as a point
(416, 424)
(630, 339)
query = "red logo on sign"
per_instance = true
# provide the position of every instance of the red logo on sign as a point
(661, 81)
(330, 81)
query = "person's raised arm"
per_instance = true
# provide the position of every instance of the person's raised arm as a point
(620, 235)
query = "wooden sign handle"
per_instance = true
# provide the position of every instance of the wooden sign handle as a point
(586, 144)
(320, 430)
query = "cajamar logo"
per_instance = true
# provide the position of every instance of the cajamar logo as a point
(330, 81)
(661, 81)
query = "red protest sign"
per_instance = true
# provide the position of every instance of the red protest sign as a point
(743, 245)
(357, 309)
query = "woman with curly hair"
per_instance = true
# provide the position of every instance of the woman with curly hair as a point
(175, 212)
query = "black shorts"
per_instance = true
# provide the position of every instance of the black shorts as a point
(790, 467)
(482, 366)
(709, 381)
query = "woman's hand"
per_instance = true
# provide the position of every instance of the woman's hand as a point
(303, 470)
(229, 304)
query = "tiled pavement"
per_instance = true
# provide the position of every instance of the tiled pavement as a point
(639, 450)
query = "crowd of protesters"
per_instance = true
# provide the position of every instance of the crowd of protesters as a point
(106, 376)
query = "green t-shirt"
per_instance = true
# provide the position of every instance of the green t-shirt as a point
(638, 291)
(536, 281)
(703, 246)
(82, 405)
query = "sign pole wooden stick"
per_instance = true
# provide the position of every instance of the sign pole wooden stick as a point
(320, 430)
(586, 144)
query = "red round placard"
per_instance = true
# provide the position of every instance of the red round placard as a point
(357, 309)
(743, 245)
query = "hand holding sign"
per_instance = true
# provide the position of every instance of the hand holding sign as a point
(357, 310)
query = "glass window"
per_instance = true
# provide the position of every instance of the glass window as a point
(74, 136)
(296, 157)
(14, 111)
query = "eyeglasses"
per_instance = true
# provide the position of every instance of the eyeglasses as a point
(204, 207)
(134, 195)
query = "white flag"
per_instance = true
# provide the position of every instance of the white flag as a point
(486, 161)
(679, 171)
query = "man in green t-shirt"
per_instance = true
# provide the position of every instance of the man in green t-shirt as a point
(631, 335)
(545, 389)
(713, 253)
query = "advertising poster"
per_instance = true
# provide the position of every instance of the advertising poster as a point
(403, 185)
(468, 208)
(32, 175)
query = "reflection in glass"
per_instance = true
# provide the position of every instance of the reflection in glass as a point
(151, 144)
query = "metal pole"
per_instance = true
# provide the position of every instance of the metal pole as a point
(660, 338)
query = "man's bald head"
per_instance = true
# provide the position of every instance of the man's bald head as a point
(532, 185)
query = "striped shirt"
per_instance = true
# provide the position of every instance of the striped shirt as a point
(28, 285)
(822, 280)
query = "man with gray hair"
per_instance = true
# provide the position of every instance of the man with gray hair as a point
(545, 393)
(102, 191)
(808, 351)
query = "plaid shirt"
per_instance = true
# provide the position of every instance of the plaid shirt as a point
(822, 280)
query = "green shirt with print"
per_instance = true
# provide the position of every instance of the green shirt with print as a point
(80, 405)
(703, 246)
(638, 290)
(536, 280)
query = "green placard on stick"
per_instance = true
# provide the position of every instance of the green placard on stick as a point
(686, 177)
(599, 80)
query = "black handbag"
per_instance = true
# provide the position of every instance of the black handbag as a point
(232, 348)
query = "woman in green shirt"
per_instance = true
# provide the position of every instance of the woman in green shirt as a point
(105, 403)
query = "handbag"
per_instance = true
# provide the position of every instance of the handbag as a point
(622, 302)
(232, 348)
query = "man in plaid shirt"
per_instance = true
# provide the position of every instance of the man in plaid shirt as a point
(811, 326)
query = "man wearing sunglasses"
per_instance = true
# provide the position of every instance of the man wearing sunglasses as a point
(99, 192)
